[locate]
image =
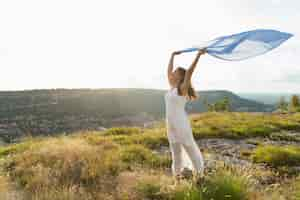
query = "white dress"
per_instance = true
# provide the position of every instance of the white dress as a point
(179, 132)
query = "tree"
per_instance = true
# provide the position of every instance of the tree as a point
(219, 106)
(294, 104)
(295, 101)
(282, 104)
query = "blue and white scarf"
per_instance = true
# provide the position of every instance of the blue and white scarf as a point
(243, 45)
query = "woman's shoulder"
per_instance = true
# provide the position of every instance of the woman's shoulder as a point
(171, 87)
(175, 91)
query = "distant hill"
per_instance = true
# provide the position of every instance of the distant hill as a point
(66, 110)
(268, 98)
(237, 103)
(109, 102)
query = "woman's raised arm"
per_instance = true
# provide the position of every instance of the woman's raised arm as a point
(171, 65)
(189, 72)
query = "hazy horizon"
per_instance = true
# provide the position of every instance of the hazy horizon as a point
(236, 92)
(127, 44)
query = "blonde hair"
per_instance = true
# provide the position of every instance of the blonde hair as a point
(191, 95)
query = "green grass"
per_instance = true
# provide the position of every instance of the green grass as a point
(138, 154)
(19, 147)
(283, 136)
(206, 125)
(222, 184)
(122, 131)
(277, 156)
(225, 185)
(150, 138)
(297, 189)
(242, 125)
(91, 164)
(150, 190)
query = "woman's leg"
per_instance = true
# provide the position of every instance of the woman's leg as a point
(195, 156)
(176, 157)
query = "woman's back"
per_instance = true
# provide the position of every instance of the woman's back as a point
(175, 104)
(177, 121)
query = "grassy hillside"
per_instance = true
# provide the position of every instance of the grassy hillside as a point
(260, 161)
(48, 112)
(108, 102)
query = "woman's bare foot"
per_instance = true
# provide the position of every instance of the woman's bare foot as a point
(187, 173)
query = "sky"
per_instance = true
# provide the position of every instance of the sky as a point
(127, 44)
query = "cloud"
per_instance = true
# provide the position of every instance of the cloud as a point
(3, 51)
(290, 77)
(128, 43)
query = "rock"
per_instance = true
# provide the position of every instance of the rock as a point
(101, 128)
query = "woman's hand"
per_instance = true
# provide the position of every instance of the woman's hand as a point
(201, 51)
(176, 52)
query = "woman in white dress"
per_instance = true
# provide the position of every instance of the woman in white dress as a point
(184, 150)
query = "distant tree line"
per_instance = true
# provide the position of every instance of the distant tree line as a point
(292, 106)
(219, 106)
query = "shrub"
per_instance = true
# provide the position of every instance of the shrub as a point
(283, 136)
(222, 184)
(277, 155)
(64, 162)
(187, 192)
(225, 185)
(122, 131)
(150, 138)
(141, 155)
(17, 148)
(149, 190)
(153, 185)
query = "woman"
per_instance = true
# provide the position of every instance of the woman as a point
(184, 150)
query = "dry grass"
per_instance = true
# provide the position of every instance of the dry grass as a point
(120, 164)
(61, 165)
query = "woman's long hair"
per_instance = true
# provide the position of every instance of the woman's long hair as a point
(192, 95)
